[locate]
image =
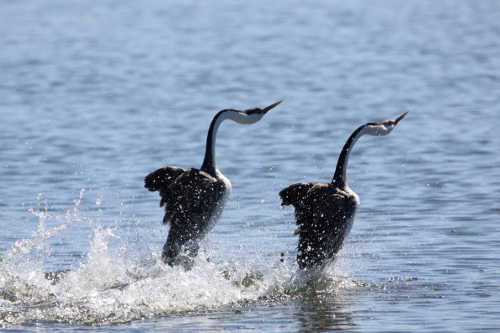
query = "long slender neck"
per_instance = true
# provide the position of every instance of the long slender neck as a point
(340, 178)
(209, 161)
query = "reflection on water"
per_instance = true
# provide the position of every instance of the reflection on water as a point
(322, 313)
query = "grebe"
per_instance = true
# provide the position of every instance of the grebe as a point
(194, 198)
(325, 212)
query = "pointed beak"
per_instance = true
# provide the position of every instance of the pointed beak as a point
(398, 119)
(267, 108)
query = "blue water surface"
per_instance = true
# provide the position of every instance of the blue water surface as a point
(95, 95)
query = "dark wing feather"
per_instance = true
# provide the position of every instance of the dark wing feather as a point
(295, 194)
(194, 193)
(329, 204)
(161, 179)
(327, 207)
(323, 223)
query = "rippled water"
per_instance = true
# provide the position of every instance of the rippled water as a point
(93, 96)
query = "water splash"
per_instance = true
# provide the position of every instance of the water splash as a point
(110, 287)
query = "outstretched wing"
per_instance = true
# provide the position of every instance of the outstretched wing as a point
(161, 179)
(323, 222)
(295, 194)
(330, 215)
(330, 204)
(194, 193)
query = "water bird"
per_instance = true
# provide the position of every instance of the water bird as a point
(325, 212)
(194, 198)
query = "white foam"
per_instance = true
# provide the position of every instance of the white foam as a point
(109, 286)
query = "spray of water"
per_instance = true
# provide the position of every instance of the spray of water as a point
(107, 287)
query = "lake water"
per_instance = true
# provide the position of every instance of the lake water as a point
(93, 96)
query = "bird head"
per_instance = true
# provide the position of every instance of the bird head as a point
(384, 127)
(251, 116)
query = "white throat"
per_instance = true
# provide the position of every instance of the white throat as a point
(239, 117)
(377, 130)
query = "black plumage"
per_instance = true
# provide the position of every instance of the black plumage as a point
(194, 198)
(325, 212)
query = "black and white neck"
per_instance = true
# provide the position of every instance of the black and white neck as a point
(242, 117)
(380, 128)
